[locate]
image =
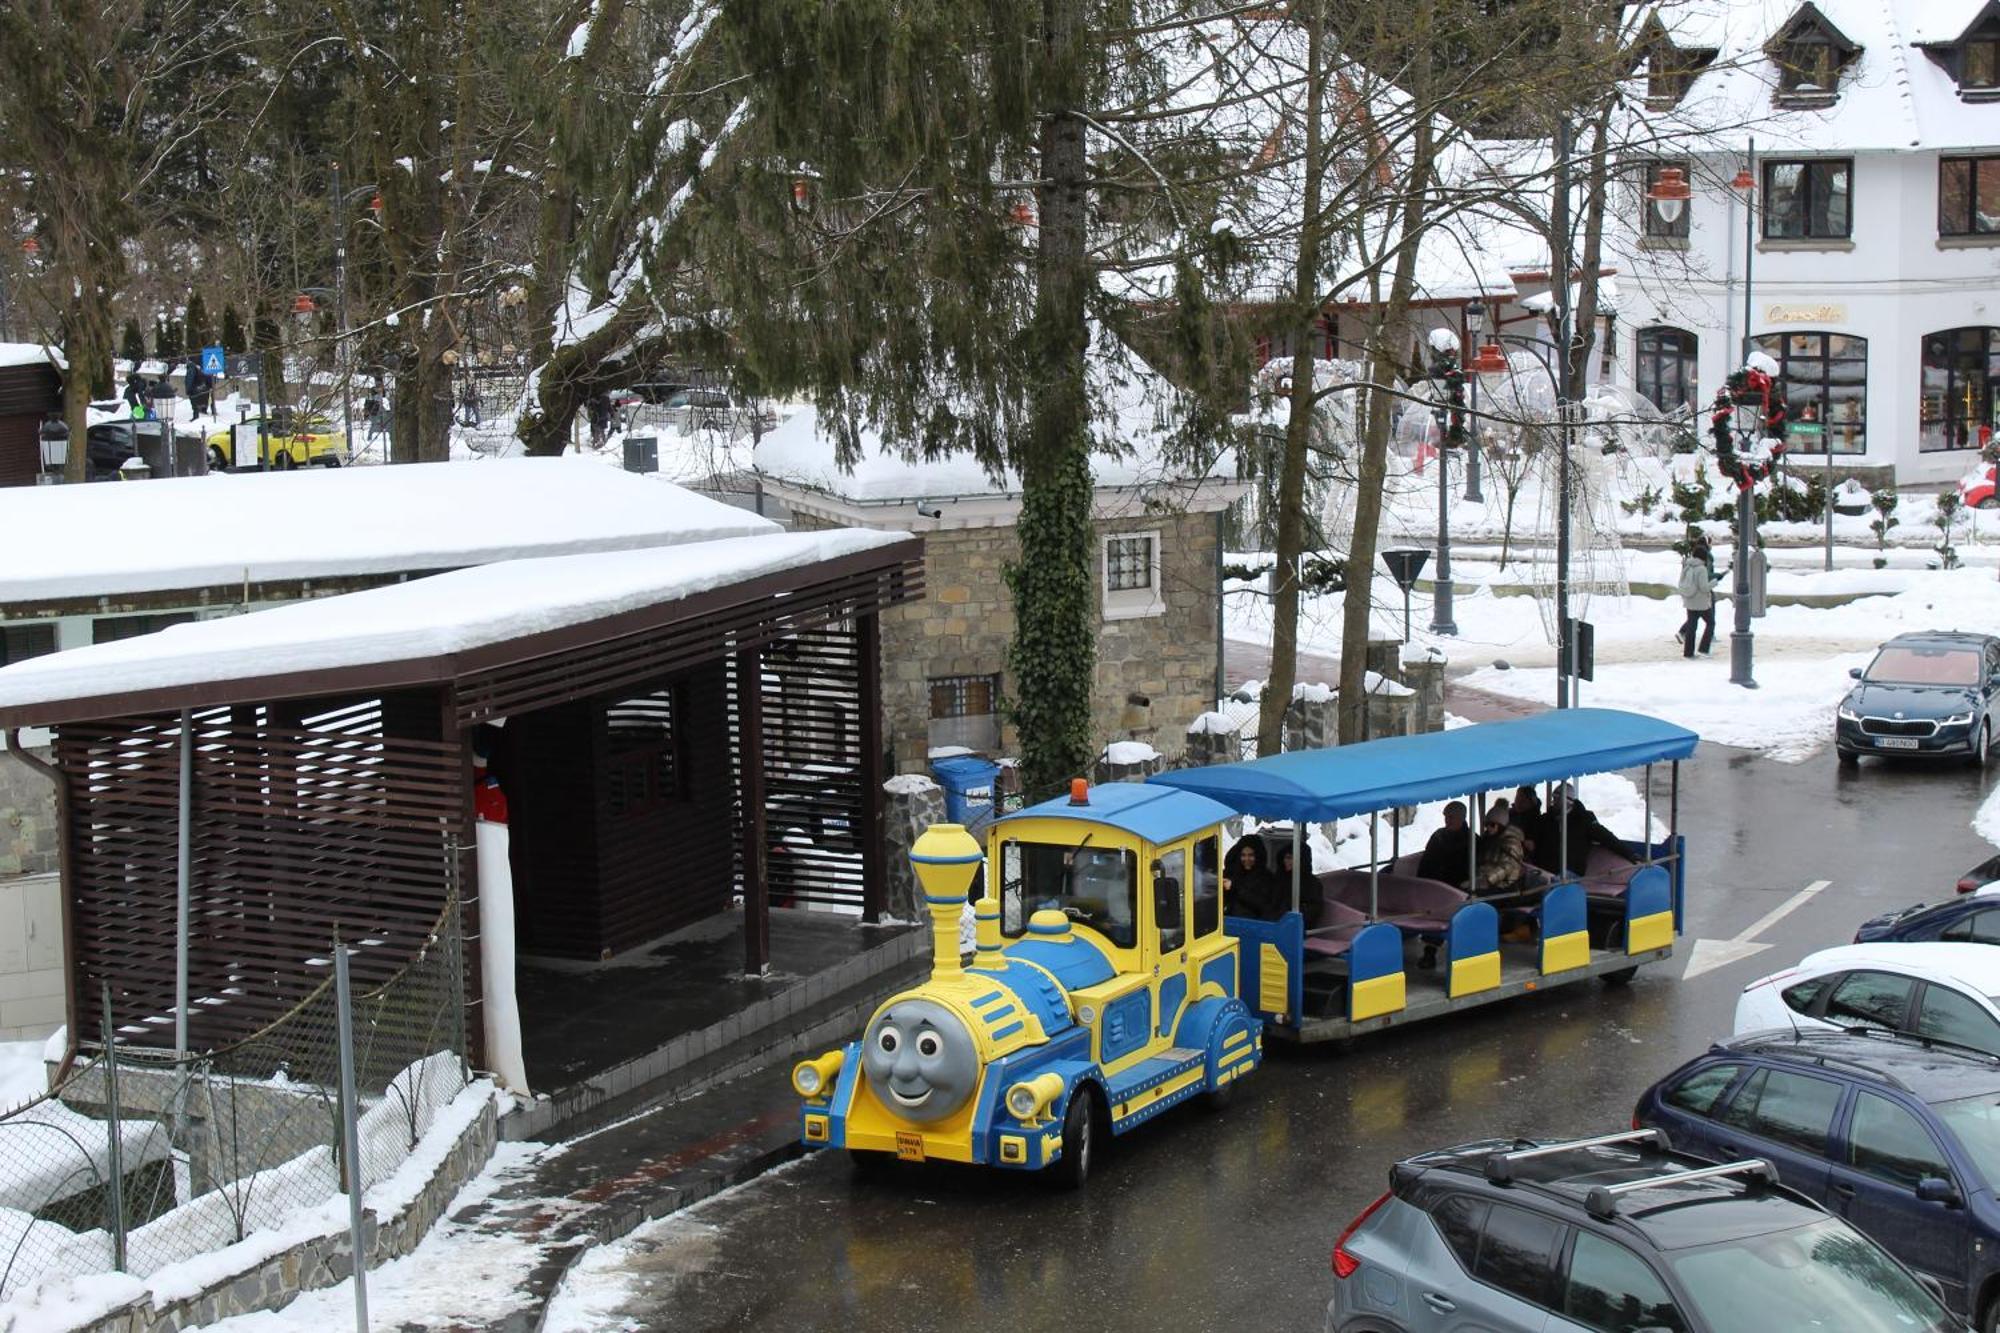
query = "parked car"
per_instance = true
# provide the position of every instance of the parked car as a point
(1926, 694)
(1898, 1136)
(655, 392)
(1944, 992)
(1616, 1233)
(1986, 872)
(293, 439)
(693, 409)
(1977, 488)
(1972, 919)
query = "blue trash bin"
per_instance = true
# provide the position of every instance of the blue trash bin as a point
(968, 787)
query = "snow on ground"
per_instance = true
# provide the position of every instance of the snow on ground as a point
(22, 1074)
(461, 1276)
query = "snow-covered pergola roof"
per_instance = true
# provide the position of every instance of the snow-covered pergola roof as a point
(112, 539)
(29, 354)
(437, 629)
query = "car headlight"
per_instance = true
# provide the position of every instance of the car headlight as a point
(1848, 714)
(1957, 720)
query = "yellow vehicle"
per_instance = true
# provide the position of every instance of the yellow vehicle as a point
(292, 440)
(1103, 991)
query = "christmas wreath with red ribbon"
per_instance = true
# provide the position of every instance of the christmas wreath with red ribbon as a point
(1749, 387)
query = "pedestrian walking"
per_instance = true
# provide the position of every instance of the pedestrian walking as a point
(1697, 591)
(600, 419)
(200, 388)
(136, 396)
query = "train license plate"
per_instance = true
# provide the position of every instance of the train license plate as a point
(909, 1147)
(1896, 742)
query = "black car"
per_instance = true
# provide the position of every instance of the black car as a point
(1925, 694)
(1616, 1234)
(1974, 919)
(1900, 1136)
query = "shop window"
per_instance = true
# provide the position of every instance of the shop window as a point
(1132, 575)
(110, 629)
(18, 643)
(1969, 196)
(1656, 226)
(1664, 369)
(1961, 368)
(1826, 388)
(965, 711)
(1808, 200)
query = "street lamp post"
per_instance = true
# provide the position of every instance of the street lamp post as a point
(340, 314)
(1441, 599)
(1742, 644)
(1475, 324)
(1559, 286)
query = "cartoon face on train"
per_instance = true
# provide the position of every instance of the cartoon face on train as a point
(920, 1058)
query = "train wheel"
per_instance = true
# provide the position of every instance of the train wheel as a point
(1079, 1142)
(870, 1163)
(1622, 977)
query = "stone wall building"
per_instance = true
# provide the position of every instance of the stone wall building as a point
(1156, 564)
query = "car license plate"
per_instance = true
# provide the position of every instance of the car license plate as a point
(909, 1147)
(1896, 742)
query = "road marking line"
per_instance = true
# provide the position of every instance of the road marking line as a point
(1781, 911)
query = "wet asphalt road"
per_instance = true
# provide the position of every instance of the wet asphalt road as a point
(1226, 1220)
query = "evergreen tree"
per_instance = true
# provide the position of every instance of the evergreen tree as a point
(232, 330)
(200, 333)
(132, 344)
(983, 179)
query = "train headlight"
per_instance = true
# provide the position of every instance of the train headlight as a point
(811, 1078)
(1086, 1014)
(1029, 1100)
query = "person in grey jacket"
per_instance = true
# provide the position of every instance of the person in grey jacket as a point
(1697, 590)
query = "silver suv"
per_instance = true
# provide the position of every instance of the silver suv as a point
(1611, 1235)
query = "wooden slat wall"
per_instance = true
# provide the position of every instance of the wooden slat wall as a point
(302, 825)
(813, 701)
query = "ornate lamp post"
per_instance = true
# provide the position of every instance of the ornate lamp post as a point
(1451, 422)
(1475, 324)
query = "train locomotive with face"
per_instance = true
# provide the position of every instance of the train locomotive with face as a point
(1103, 991)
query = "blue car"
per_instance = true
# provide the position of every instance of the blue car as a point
(1898, 1135)
(1974, 919)
(1926, 695)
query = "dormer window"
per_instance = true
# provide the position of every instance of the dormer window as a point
(1810, 54)
(1979, 64)
(1670, 69)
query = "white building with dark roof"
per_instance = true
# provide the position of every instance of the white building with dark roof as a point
(1873, 246)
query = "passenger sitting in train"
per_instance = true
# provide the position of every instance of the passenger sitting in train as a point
(1251, 886)
(1584, 832)
(1312, 893)
(1503, 852)
(1447, 856)
(1525, 814)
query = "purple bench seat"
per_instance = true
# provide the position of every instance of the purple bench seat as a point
(1336, 931)
(1416, 906)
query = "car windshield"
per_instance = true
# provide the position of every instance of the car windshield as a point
(1975, 1123)
(1822, 1276)
(1095, 886)
(1925, 666)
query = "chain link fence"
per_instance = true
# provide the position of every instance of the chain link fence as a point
(137, 1160)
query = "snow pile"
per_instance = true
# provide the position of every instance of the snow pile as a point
(909, 784)
(192, 532)
(53, 1153)
(1212, 724)
(431, 618)
(1986, 820)
(23, 1075)
(27, 354)
(1374, 683)
(948, 752)
(1313, 692)
(1129, 752)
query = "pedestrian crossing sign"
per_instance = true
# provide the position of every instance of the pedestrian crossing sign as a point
(212, 361)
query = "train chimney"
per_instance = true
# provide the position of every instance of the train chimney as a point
(946, 859)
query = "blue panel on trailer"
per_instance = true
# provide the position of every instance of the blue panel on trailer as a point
(1323, 785)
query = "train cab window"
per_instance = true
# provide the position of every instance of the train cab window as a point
(1093, 886)
(1207, 897)
(1169, 893)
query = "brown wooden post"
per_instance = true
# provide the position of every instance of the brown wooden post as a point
(750, 771)
(465, 869)
(874, 856)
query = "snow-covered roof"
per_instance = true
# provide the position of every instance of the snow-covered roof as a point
(197, 532)
(1135, 415)
(1891, 96)
(422, 620)
(28, 354)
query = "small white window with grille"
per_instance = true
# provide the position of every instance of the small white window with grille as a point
(1132, 576)
(965, 710)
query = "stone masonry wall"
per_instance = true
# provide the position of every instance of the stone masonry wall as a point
(966, 619)
(27, 818)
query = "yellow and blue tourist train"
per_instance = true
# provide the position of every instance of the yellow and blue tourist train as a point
(1102, 991)
(1110, 981)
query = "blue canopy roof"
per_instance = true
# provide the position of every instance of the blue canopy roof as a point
(1156, 814)
(1320, 785)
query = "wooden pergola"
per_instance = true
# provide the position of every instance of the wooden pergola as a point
(302, 802)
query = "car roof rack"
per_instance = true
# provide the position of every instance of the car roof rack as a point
(1801, 1045)
(1602, 1200)
(1500, 1166)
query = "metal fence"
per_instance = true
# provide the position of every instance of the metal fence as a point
(138, 1160)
